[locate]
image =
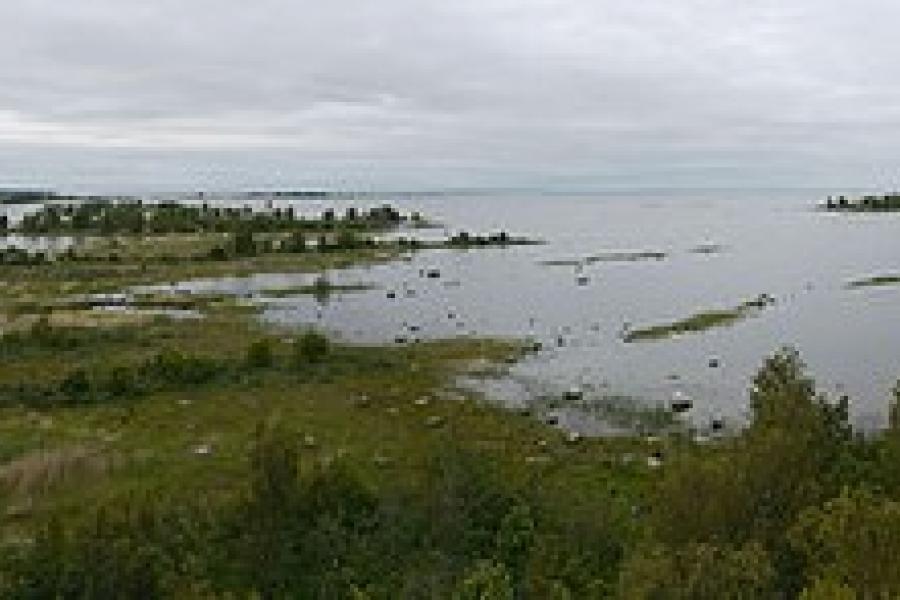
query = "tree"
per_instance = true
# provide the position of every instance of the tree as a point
(853, 539)
(698, 572)
(486, 580)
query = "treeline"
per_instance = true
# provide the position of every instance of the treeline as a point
(137, 217)
(868, 203)
(245, 243)
(240, 244)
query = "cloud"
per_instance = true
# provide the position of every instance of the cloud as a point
(515, 85)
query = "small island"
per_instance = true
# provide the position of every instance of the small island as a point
(868, 203)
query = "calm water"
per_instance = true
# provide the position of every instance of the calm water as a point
(772, 243)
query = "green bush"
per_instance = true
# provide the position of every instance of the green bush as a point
(311, 347)
(129, 549)
(699, 572)
(855, 539)
(260, 355)
(243, 243)
(486, 581)
(76, 387)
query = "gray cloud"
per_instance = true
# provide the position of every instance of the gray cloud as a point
(796, 90)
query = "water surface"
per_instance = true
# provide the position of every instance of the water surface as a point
(754, 242)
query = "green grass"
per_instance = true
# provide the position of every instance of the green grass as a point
(150, 438)
(701, 321)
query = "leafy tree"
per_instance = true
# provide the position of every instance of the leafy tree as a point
(699, 572)
(485, 581)
(853, 539)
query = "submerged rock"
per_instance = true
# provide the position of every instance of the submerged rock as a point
(435, 421)
(681, 403)
(203, 450)
(573, 394)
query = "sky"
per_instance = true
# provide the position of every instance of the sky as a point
(450, 93)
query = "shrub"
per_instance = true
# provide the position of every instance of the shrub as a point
(311, 347)
(127, 550)
(296, 243)
(699, 572)
(487, 580)
(854, 538)
(121, 382)
(171, 366)
(828, 589)
(260, 355)
(347, 240)
(76, 387)
(244, 244)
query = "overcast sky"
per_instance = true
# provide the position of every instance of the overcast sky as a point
(450, 92)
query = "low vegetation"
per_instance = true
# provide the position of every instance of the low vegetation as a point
(701, 321)
(303, 502)
(874, 281)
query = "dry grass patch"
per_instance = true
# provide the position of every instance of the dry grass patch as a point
(37, 472)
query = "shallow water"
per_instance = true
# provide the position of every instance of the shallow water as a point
(766, 242)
